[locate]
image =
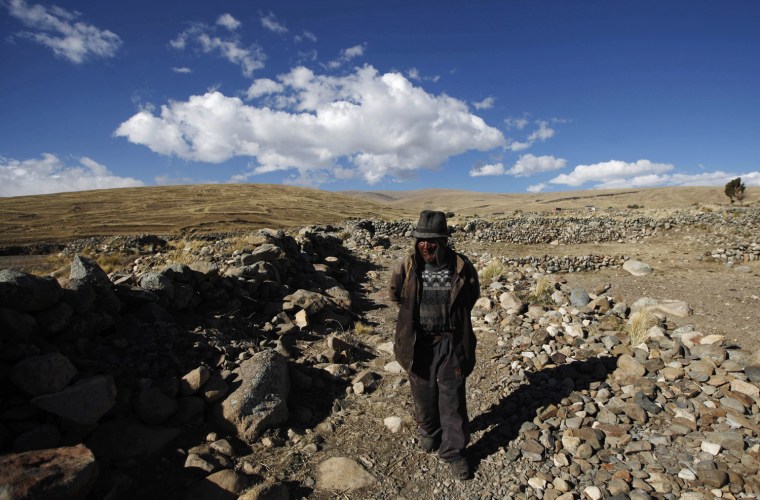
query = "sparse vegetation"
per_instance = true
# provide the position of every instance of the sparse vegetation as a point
(492, 271)
(735, 189)
(544, 290)
(638, 326)
(634, 206)
(363, 328)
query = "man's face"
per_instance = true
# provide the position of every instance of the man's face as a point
(427, 249)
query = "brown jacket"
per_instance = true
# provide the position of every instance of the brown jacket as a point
(405, 291)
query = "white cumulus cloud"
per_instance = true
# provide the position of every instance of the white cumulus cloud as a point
(536, 188)
(644, 173)
(63, 32)
(366, 124)
(611, 172)
(529, 164)
(229, 47)
(228, 22)
(486, 103)
(50, 175)
(263, 86)
(490, 169)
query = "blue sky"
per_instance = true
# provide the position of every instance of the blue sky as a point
(496, 96)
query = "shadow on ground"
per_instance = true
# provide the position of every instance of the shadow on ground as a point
(549, 386)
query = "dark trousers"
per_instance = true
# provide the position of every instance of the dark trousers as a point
(438, 391)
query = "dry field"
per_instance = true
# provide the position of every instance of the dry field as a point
(230, 208)
(724, 301)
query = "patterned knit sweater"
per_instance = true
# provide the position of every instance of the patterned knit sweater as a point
(434, 304)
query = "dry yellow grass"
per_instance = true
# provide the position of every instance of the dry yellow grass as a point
(237, 208)
(470, 203)
(175, 210)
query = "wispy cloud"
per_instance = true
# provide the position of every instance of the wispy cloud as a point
(182, 70)
(517, 123)
(346, 55)
(414, 74)
(486, 103)
(305, 36)
(228, 22)
(644, 173)
(525, 166)
(365, 124)
(50, 175)
(63, 32)
(541, 134)
(270, 22)
(489, 169)
(229, 47)
(536, 188)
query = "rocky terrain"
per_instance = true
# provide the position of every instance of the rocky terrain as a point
(260, 365)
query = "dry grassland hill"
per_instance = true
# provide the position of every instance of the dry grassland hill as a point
(485, 204)
(231, 208)
(175, 210)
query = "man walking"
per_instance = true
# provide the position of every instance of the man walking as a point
(435, 289)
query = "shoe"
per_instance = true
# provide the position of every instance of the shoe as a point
(427, 443)
(460, 469)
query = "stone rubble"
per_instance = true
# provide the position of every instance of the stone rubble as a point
(250, 343)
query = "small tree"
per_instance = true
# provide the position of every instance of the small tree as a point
(730, 190)
(739, 190)
(735, 189)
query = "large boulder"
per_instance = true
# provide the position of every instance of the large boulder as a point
(259, 401)
(82, 403)
(43, 374)
(63, 473)
(27, 292)
(88, 271)
(637, 268)
(311, 302)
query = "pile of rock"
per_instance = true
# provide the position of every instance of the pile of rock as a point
(124, 363)
(737, 254)
(583, 410)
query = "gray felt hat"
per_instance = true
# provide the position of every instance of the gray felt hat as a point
(431, 225)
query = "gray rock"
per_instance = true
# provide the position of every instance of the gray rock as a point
(267, 253)
(87, 270)
(510, 301)
(311, 302)
(342, 475)
(637, 268)
(157, 283)
(27, 292)
(16, 325)
(194, 380)
(579, 297)
(82, 403)
(67, 473)
(260, 401)
(43, 374)
(54, 320)
(80, 295)
(224, 484)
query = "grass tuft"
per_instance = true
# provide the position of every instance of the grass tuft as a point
(492, 271)
(363, 328)
(638, 326)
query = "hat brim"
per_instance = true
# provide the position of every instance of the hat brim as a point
(417, 234)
